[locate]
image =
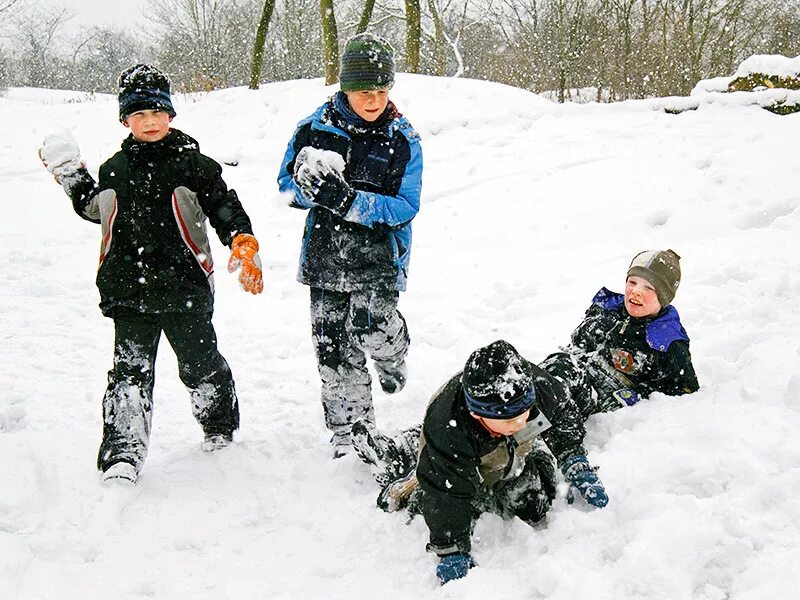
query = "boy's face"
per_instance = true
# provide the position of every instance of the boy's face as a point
(148, 125)
(504, 426)
(368, 104)
(640, 298)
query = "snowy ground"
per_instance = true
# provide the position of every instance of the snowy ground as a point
(528, 208)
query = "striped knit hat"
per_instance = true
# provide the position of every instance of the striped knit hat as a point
(496, 383)
(143, 87)
(662, 269)
(367, 63)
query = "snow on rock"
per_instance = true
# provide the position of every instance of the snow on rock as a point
(770, 64)
(528, 209)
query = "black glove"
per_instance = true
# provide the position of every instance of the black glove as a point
(331, 191)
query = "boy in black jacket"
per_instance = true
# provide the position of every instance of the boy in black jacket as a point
(480, 451)
(629, 345)
(156, 270)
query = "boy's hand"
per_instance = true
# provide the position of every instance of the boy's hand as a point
(244, 255)
(626, 396)
(60, 155)
(334, 193)
(454, 566)
(581, 477)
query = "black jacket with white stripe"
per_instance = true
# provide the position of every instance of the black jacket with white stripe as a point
(152, 201)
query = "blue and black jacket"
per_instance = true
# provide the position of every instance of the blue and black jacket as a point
(616, 350)
(368, 248)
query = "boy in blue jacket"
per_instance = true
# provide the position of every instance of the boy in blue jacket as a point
(356, 166)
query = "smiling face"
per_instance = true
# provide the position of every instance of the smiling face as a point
(148, 125)
(500, 427)
(368, 104)
(640, 298)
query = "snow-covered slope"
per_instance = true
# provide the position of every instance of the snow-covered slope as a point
(528, 209)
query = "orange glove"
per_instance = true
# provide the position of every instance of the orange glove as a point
(244, 254)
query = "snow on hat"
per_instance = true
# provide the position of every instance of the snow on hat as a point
(143, 87)
(662, 269)
(496, 383)
(367, 63)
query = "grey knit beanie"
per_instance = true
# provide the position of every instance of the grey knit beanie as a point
(662, 269)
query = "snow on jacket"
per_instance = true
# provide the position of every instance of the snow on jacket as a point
(369, 247)
(458, 455)
(649, 354)
(152, 200)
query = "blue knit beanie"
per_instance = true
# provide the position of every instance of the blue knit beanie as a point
(143, 87)
(497, 385)
(367, 63)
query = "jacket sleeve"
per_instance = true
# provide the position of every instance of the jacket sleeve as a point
(677, 375)
(447, 471)
(83, 190)
(585, 335)
(373, 210)
(449, 481)
(286, 182)
(221, 205)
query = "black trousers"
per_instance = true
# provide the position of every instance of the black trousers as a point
(128, 401)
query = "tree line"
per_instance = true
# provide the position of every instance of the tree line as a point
(618, 49)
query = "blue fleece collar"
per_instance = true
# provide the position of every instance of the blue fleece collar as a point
(660, 332)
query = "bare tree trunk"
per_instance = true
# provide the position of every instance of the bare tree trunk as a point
(330, 42)
(6, 4)
(413, 34)
(440, 52)
(366, 15)
(258, 46)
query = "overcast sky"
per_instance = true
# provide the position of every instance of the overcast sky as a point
(102, 12)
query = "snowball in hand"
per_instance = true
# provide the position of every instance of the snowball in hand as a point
(60, 154)
(313, 163)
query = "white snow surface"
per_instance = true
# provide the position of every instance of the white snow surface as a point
(528, 209)
(770, 64)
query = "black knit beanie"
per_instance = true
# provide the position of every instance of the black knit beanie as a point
(143, 87)
(662, 269)
(496, 383)
(367, 63)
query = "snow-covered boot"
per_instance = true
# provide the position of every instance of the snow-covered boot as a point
(216, 441)
(389, 459)
(395, 495)
(120, 473)
(392, 376)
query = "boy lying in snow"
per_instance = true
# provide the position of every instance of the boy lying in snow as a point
(629, 345)
(485, 446)
(156, 272)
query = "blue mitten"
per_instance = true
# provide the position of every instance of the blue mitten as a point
(454, 566)
(581, 476)
(626, 396)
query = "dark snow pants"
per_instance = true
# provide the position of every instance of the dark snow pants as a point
(128, 401)
(527, 496)
(346, 327)
(565, 368)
